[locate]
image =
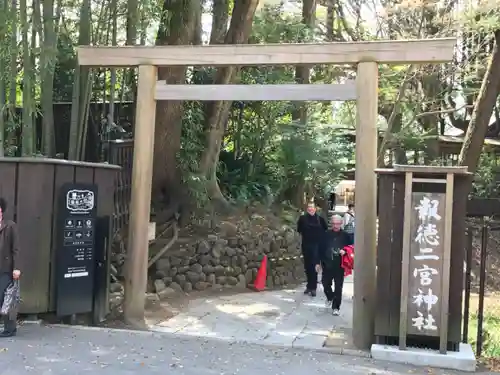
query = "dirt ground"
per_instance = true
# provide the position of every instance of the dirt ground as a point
(164, 310)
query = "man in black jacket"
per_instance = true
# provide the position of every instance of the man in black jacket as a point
(331, 253)
(312, 227)
(332, 201)
(9, 265)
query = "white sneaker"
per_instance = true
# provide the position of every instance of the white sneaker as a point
(328, 304)
(336, 312)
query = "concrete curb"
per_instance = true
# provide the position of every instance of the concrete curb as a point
(463, 360)
(37, 322)
(106, 329)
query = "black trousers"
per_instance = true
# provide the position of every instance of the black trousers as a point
(333, 275)
(9, 325)
(309, 253)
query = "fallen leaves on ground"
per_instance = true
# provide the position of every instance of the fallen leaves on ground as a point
(492, 364)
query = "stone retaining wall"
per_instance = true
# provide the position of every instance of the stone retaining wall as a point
(232, 262)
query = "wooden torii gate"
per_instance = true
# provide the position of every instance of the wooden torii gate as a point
(367, 56)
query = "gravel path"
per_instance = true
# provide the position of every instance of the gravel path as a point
(44, 350)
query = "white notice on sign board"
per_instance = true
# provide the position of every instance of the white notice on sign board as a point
(80, 201)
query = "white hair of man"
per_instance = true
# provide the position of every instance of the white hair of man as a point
(337, 218)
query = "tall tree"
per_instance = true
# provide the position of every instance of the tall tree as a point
(218, 112)
(27, 127)
(4, 9)
(297, 191)
(14, 51)
(303, 72)
(132, 21)
(483, 109)
(81, 86)
(48, 55)
(220, 19)
(177, 26)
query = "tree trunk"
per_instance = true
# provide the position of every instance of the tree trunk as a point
(302, 76)
(399, 152)
(47, 88)
(27, 120)
(80, 87)
(198, 24)
(330, 20)
(431, 88)
(132, 21)
(114, 42)
(13, 118)
(131, 39)
(176, 28)
(218, 112)
(483, 109)
(394, 118)
(3, 74)
(36, 35)
(303, 72)
(220, 18)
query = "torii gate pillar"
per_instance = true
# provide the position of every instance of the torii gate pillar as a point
(365, 261)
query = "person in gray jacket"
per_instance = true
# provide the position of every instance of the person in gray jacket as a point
(9, 265)
(332, 250)
(349, 224)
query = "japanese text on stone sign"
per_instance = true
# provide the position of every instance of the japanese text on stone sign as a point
(427, 238)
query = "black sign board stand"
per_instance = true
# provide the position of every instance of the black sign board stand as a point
(102, 264)
(75, 258)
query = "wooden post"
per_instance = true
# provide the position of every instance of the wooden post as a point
(445, 286)
(365, 203)
(405, 263)
(142, 173)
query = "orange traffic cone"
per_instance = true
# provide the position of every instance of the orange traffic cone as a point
(260, 281)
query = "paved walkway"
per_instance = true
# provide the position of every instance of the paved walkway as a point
(284, 318)
(42, 350)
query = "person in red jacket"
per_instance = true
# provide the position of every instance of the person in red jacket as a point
(347, 261)
(332, 251)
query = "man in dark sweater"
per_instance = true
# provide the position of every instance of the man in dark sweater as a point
(312, 228)
(332, 201)
(331, 252)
